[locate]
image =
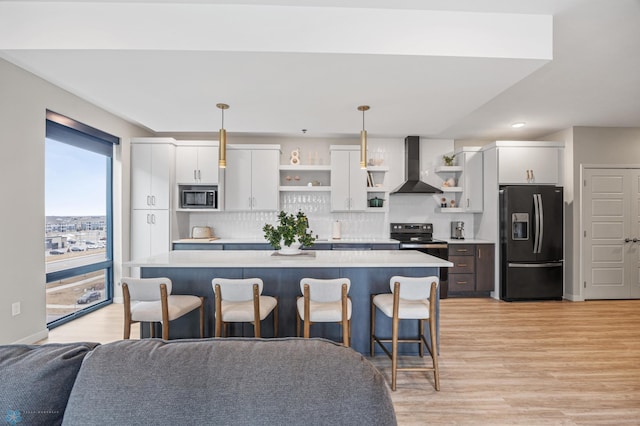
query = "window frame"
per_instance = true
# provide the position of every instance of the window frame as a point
(60, 125)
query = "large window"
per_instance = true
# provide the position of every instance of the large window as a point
(78, 218)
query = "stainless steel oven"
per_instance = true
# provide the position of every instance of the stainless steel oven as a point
(419, 236)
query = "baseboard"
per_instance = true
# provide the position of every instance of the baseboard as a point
(574, 297)
(34, 338)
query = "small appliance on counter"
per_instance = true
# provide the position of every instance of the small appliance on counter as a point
(198, 232)
(457, 230)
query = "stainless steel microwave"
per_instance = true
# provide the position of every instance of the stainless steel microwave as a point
(198, 198)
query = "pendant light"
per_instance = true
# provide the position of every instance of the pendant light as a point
(222, 155)
(363, 139)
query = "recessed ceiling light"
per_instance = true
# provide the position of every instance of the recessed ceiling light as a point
(518, 125)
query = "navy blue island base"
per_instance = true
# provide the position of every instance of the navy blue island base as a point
(284, 283)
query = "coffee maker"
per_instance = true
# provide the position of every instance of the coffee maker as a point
(457, 230)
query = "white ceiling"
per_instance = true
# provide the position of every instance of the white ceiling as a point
(461, 69)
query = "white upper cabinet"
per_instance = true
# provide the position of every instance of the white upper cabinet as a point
(528, 164)
(348, 180)
(151, 170)
(472, 181)
(197, 164)
(251, 177)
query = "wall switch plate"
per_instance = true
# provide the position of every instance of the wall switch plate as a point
(15, 309)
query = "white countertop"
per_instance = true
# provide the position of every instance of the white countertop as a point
(263, 241)
(264, 259)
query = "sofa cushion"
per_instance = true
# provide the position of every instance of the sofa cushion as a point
(231, 381)
(35, 381)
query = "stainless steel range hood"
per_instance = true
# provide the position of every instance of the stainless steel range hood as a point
(413, 184)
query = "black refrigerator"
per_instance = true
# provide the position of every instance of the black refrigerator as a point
(531, 242)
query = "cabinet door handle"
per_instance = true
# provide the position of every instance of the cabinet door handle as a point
(462, 264)
(461, 250)
(479, 253)
(153, 200)
(148, 218)
(199, 175)
(463, 282)
(467, 203)
(153, 219)
(148, 200)
(195, 176)
(253, 202)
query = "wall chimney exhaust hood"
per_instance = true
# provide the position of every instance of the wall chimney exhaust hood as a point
(413, 184)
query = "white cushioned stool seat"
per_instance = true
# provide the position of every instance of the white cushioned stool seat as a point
(178, 306)
(324, 300)
(409, 309)
(150, 300)
(241, 300)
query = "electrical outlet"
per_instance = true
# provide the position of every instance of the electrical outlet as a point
(15, 309)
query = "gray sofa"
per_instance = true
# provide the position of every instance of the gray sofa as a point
(195, 382)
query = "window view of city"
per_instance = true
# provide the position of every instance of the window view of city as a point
(72, 241)
(75, 228)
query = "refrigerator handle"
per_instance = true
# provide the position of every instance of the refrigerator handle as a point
(541, 219)
(536, 237)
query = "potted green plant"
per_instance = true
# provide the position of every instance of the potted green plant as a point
(448, 159)
(290, 233)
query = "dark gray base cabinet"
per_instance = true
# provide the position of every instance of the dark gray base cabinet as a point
(473, 272)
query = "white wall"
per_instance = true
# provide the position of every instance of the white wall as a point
(23, 104)
(593, 146)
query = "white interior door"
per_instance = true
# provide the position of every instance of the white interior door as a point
(611, 222)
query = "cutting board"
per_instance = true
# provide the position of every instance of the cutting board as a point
(197, 240)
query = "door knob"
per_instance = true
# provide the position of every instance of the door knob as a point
(626, 240)
(635, 240)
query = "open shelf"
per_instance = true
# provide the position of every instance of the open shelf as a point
(304, 188)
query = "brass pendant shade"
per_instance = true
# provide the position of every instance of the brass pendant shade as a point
(363, 139)
(222, 154)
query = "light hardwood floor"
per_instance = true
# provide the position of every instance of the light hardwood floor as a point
(525, 363)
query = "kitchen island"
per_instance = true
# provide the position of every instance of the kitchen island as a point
(369, 271)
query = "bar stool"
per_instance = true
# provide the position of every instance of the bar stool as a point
(150, 300)
(241, 300)
(325, 300)
(410, 298)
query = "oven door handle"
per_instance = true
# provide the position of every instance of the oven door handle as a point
(423, 246)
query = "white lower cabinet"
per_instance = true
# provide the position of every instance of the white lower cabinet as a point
(150, 233)
(252, 178)
(348, 180)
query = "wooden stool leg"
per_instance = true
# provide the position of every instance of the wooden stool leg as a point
(201, 317)
(434, 352)
(394, 335)
(152, 330)
(165, 330)
(420, 337)
(394, 352)
(373, 325)
(275, 321)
